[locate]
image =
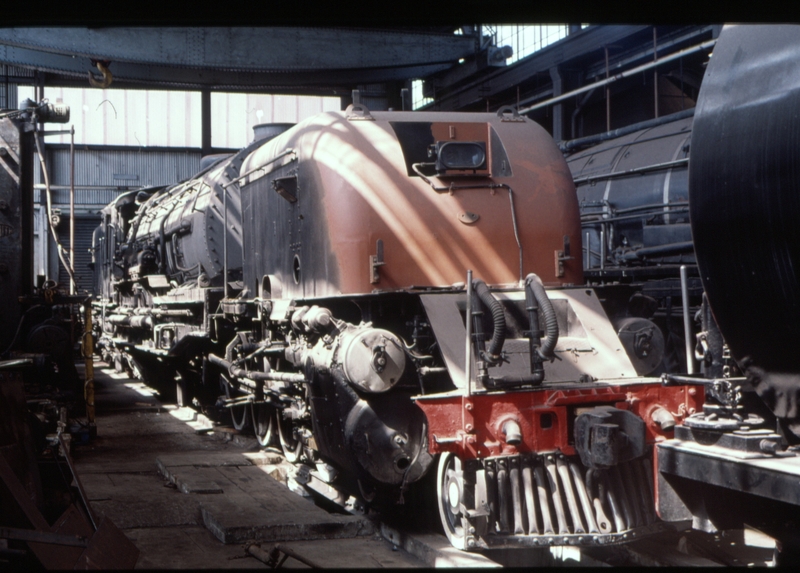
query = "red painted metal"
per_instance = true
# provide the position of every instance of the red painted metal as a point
(356, 177)
(472, 426)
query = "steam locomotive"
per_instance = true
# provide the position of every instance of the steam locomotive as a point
(395, 295)
(633, 191)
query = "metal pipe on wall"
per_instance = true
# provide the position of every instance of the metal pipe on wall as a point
(567, 146)
(655, 74)
(608, 95)
(602, 248)
(468, 324)
(687, 330)
(588, 252)
(72, 209)
(225, 243)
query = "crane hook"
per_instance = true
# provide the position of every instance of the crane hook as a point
(107, 77)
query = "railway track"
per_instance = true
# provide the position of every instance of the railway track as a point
(222, 474)
(678, 547)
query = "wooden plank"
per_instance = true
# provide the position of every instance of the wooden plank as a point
(50, 556)
(21, 496)
(108, 549)
(71, 522)
(15, 433)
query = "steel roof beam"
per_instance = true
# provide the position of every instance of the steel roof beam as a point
(575, 46)
(246, 57)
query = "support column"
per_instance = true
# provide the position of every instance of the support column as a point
(205, 122)
(558, 109)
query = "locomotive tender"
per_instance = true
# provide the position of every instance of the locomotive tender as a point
(394, 295)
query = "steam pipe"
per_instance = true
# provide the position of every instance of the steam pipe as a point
(586, 504)
(468, 324)
(547, 522)
(502, 495)
(657, 207)
(641, 487)
(491, 491)
(602, 247)
(587, 222)
(535, 293)
(551, 322)
(687, 327)
(260, 168)
(567, 146)
(225, 243)
(498, 318)
(59, 248)
(516, 499)
(588, 263)
(632, 171)
(72, 285)
(616, 512)
(254, 375)
(572, 503)
(561, 516)
(628, 494)
(592, 480)
(530, 497)
(512, 432)
(668, 249)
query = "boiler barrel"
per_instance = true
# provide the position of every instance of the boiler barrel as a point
(744, 183)
(635, 188)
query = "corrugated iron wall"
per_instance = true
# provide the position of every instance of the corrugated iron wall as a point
(9, 78)
(172, 118)
(109, 171)
(116, 137)
(84, 227)
(233, 115)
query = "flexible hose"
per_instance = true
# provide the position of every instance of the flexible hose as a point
(59, 248)
(550, 320)
(498, 318)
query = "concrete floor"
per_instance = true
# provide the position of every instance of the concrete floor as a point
(178, 490)
(123, 481)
